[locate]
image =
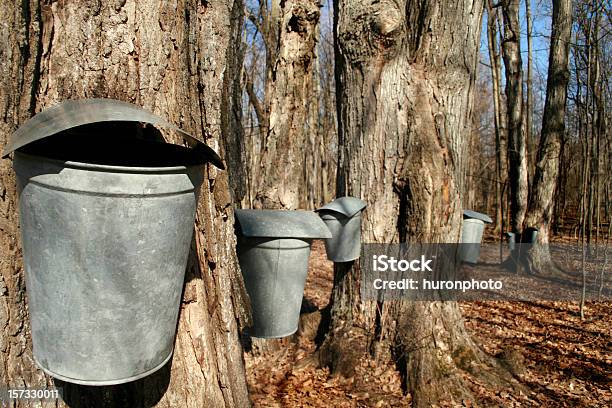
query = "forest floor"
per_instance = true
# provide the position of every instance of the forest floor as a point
(562, 361)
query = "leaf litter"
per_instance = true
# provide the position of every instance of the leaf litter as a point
(564, 362)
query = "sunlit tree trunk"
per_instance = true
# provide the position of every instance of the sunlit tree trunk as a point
(501, 141)
(528, 110)
(290, 37)
(517, 146)
(405, 81)
(541, 202)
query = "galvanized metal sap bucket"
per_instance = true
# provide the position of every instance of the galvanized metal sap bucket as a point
(511, 238)
(343, 218)
(106, 231)
(273, 250)
(471, 235)
(529, 235)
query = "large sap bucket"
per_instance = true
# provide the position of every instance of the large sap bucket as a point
(343, 218)
(273, 250)
(106, 225)
(471, 235)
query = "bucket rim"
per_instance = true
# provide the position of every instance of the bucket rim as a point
(105, 382)
(108, 168)
(266, 242)
(274, 335)
(474, 221)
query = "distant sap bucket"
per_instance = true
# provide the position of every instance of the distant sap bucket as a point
(511, 237)
(471, 235)
(343, 218)
(106, 231)
(273, 251)
(529, 236)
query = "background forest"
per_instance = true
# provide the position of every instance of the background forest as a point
(421, 109)
(582, 198)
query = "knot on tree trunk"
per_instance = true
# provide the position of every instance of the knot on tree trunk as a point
(387, 21)
(303, 17)
(375, 32)
(300, 23)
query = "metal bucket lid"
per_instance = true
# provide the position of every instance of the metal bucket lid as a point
(69, 114)
(281, 224)
(347, 206)
(477, 216)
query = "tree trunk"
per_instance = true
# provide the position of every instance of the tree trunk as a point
(328, 140)
(501, 138)
(180, 61)
(293, 31)
(407, 72)
(597, 128)
(541, 203)
(528, 111)
(517, 147)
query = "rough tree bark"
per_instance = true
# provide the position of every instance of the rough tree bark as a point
(501, 138)
(517, 146)
(179, 60)
(290, 44)
(542, 200)
(528, 109)
(598, 108)
(405, 74)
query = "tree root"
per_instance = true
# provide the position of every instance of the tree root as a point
(436, 358)
(535, 261)
(434, 375)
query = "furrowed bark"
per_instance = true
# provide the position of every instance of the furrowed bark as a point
(517, 146)
(542, 200)
(405, 73)
(279, 182)
(179, 60)
(501, 154)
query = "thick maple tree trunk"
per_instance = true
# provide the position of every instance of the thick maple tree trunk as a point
(405, 81)
(291, 39)
(179, 60)
(517, 146)
(542, 200)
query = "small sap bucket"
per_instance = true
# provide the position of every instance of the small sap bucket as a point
(471, 235)
(106, 230)
(529, 236)
(343, 218)
(511, 237)
(273, 251)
